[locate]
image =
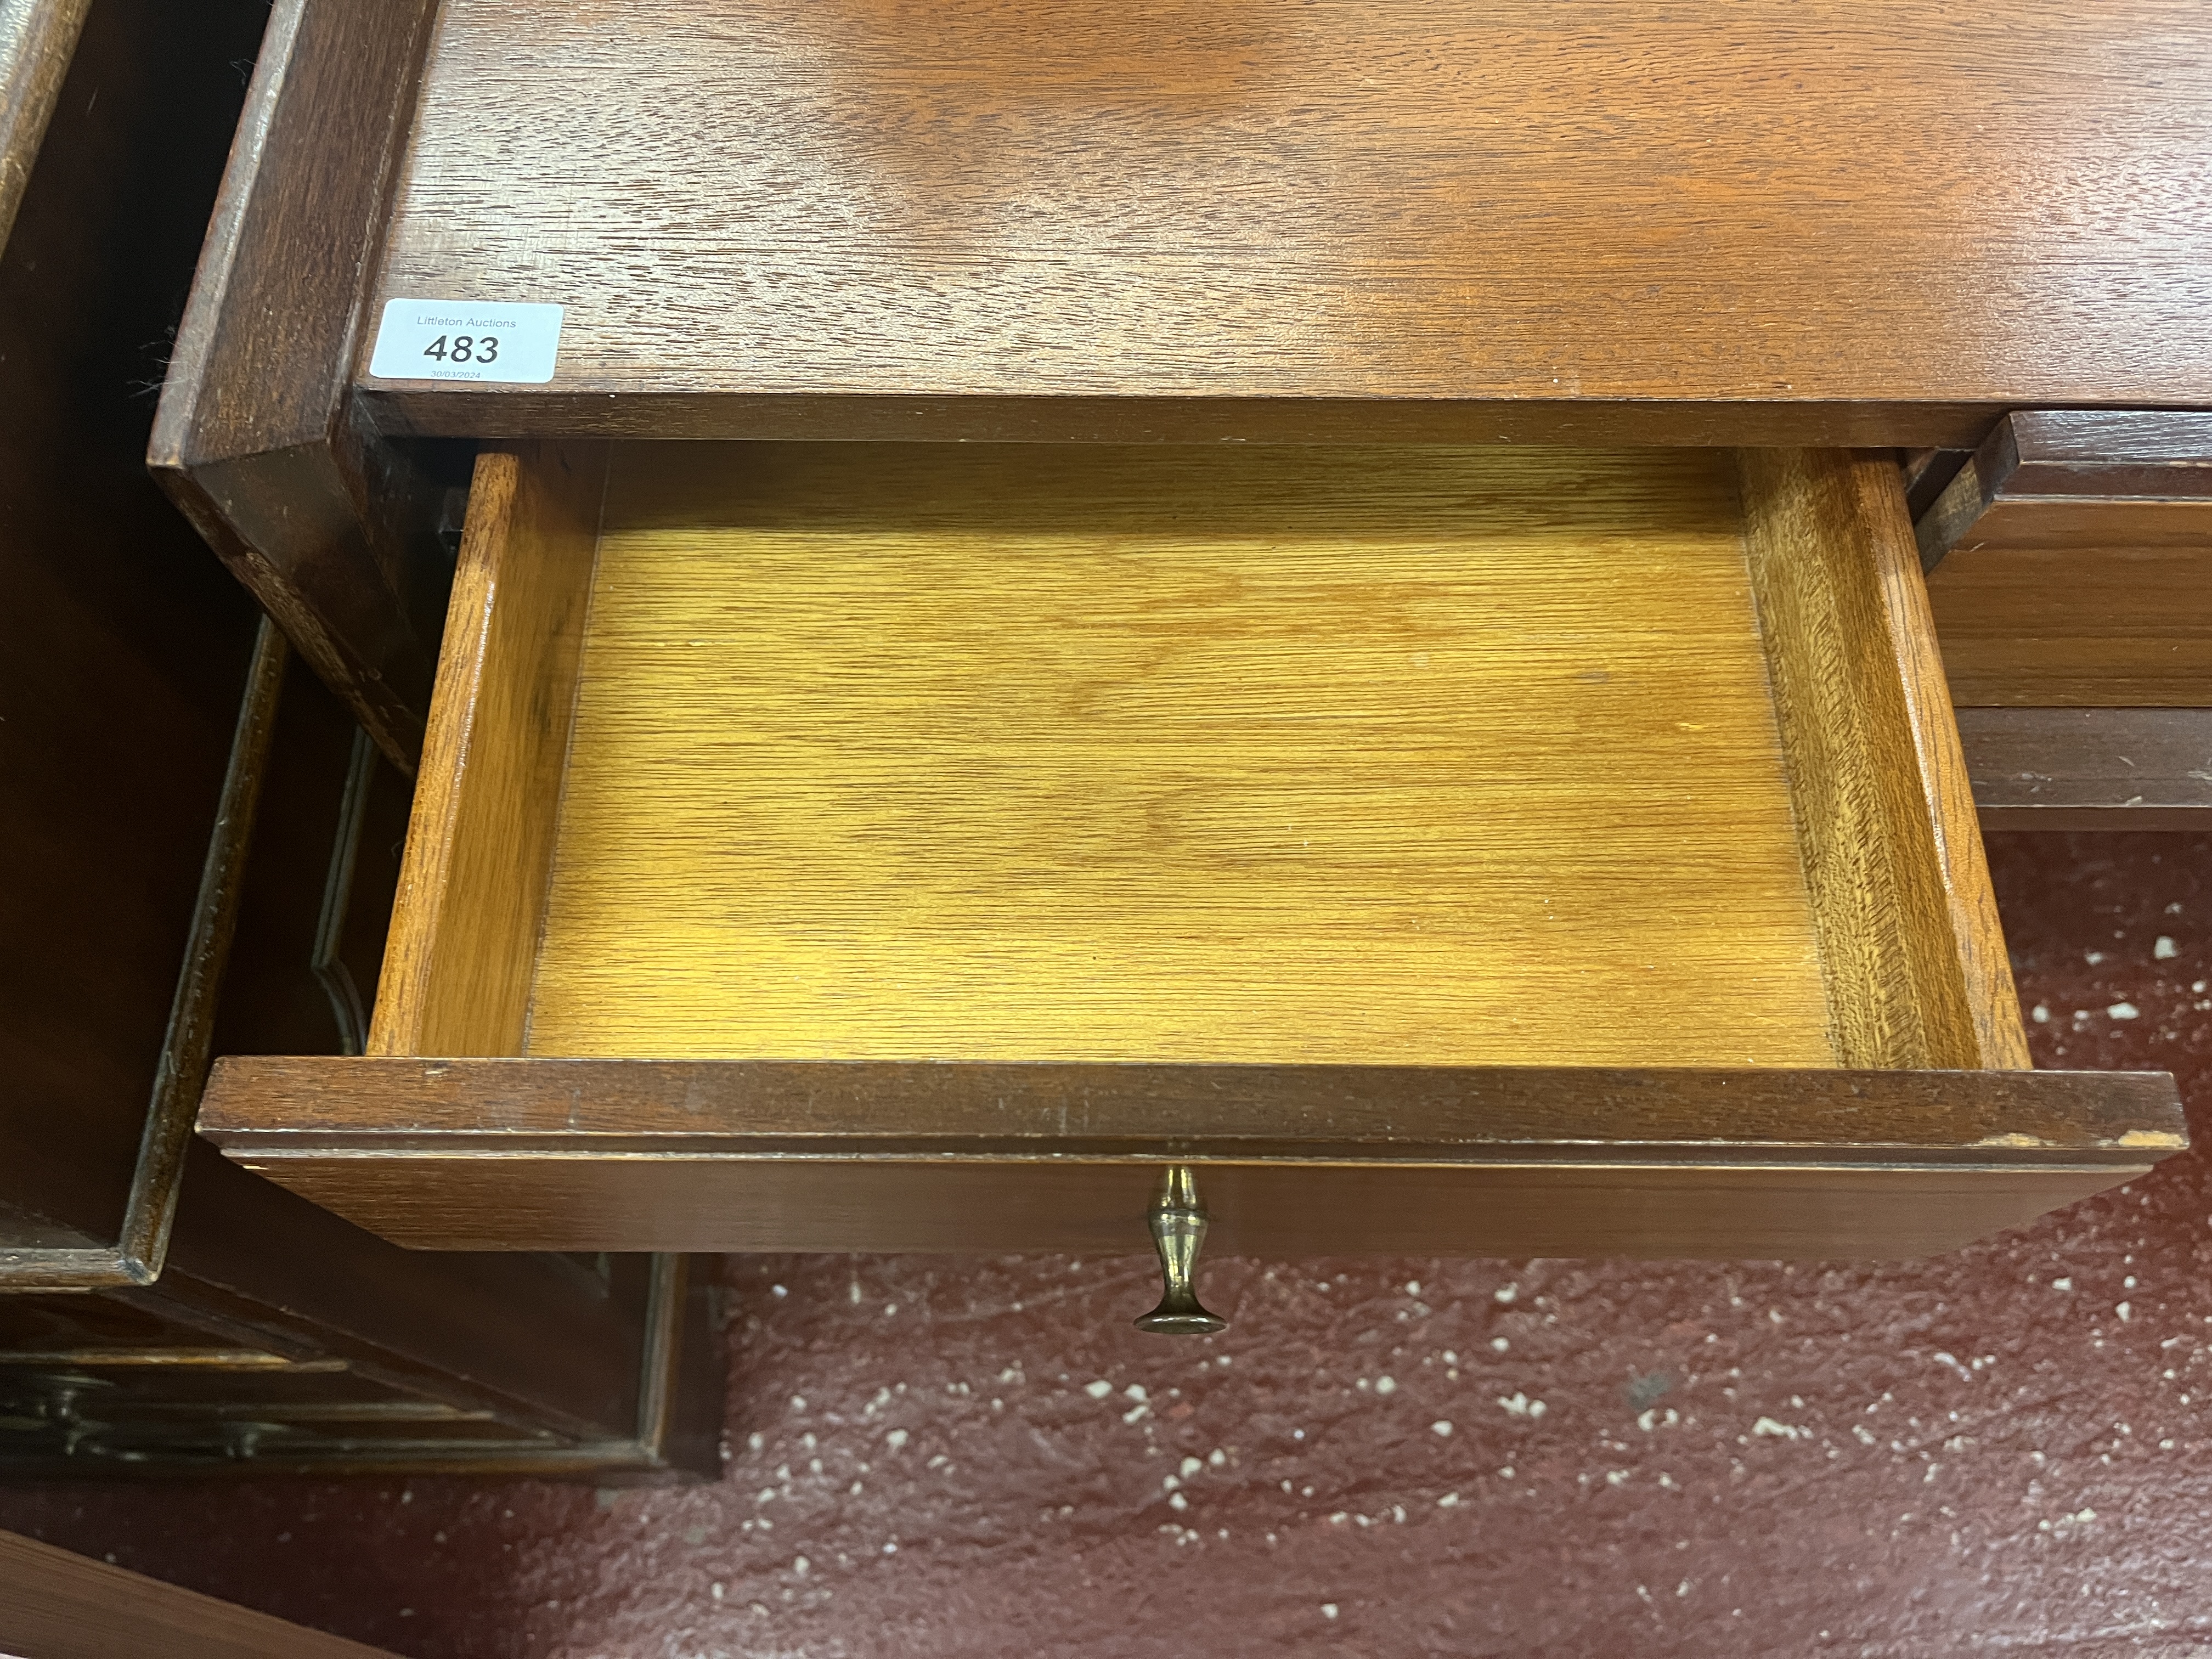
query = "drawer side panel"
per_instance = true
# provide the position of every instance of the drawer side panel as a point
(1910, 941)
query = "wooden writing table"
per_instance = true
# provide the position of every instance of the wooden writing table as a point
(1791, 230)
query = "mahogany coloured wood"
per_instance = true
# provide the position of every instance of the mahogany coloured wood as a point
(123, 646)
(1013, 223)
(2071, 562)
(770, 211)
(257, 439)
(2095, 625)
(1927, 472)
(2090, 768)
(1755, 1161)
(2055, 458)
(964, 1140)
(55, 1605)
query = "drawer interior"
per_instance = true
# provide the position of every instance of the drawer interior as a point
(1438, 851)
(1269, 755)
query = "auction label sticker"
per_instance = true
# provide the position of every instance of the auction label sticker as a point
(461, 340)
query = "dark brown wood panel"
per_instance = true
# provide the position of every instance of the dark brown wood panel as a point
(2082, 479)
(1928, 473)
(457, 410)
(2090, 768)
(2096, 626)
(1274, 1209)
(257, 439)
(123, 646)
(1307, 1160)
(2070, 562)
(37, 39)
(2165, 453)
(54, 1605)
(1377, 202)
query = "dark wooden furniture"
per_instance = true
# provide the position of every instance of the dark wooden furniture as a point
(1134, 794)
(199, 850)
(1185, 225)
(54, 1605)
(2090, 768)
(1164, 273)
(2070, 572)
(2068, 563)
(37, 39)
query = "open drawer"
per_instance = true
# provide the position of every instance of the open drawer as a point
(920, 845)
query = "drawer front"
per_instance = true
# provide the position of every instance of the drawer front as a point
(2090, 768)
(2070, 564)
(710, 736)
(1296, 1160)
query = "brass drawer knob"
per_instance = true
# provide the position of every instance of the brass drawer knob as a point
(1178, 1224)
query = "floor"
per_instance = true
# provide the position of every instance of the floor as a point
(2005, 1450)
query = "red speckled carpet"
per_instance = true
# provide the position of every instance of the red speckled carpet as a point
(2004, 1451)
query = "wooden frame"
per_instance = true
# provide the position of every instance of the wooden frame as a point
(1909, 933)
(2090, 768)
(1914, 947)
(259, 438)
(301, 472)
(1931, 1131)
(166, 846)
(37, 40)
(2068, 564)
(1293, 1161)
(142, 1243)
(298, 465)
(2046, 476)
(560, 1376)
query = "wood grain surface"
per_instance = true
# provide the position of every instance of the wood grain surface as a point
(1928, 473)
(1878, 526)
(2114, 466)
(36, 40)
(454, 409)
(1793, 210)
(1910, 940)
(2089, 523)
(2088, 626)
(1281, 1210)
(2070, 562)
(1294, 1160)
(934, 751)
(2084, 452)
(457, 964)
(2090, 768)
(259, 438)
(55, 1605)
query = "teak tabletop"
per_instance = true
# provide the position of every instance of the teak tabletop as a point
(1732, 222)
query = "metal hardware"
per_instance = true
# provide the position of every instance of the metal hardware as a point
(1178, 1224)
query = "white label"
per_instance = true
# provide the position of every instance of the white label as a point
(461, 340)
